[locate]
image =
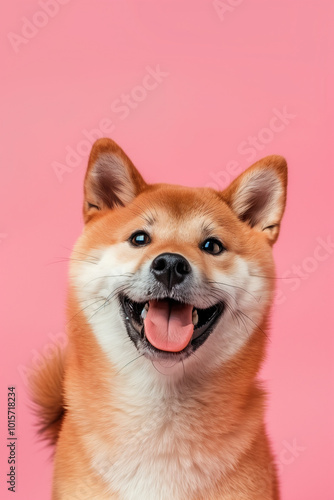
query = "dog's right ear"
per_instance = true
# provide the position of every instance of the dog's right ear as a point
(111, 179)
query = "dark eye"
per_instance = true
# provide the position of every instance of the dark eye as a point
(213, 246)
(139, 239)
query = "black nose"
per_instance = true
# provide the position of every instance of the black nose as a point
(170, 268)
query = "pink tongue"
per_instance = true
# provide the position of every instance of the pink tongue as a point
(168, 325)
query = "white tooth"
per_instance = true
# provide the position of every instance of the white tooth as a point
(144, 311)
(195, 317)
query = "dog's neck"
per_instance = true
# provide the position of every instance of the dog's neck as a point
(186, 426)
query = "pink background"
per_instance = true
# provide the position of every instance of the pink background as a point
(225, 78)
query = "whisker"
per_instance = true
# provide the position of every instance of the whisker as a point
(218, 293)
(111, 296)
(274, 277)
(99, 297)
(83, 309)
(107, 300)
(86, 254)
(83, 253)
(127, 364)
(125, 275)
(70, 259)
(257, 326)
(237, 314)
(83, 260)
(234, 286)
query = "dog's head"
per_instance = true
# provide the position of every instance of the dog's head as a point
(175, 275)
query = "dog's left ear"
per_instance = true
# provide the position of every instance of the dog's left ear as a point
(258, 195)
(111, 179)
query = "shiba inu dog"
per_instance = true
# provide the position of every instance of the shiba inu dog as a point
(170, 288)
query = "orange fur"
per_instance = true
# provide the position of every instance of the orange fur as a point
(213, 411)
(46, 389)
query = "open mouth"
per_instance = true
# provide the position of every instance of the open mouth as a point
(167, 326)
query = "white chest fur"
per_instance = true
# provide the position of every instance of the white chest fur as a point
(157, 454)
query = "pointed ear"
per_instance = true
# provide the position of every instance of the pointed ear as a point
(111, 179)
(258, 195)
